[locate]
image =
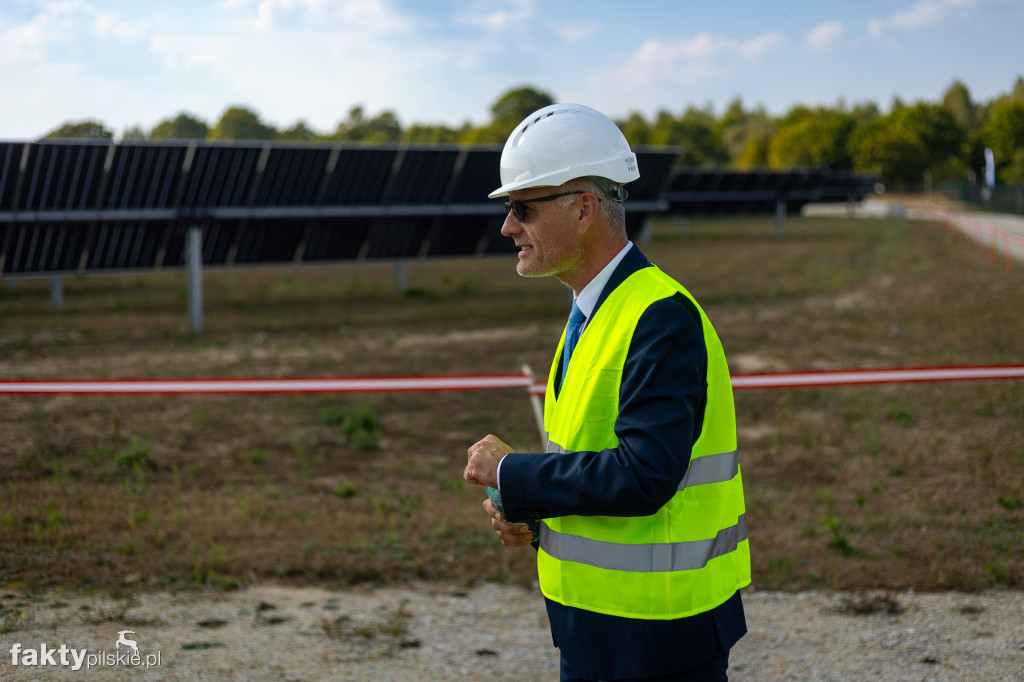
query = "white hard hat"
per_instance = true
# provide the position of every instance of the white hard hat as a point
(561, 142)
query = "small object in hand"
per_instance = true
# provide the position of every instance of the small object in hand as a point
(495, 496)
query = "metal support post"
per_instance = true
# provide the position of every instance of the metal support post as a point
(683, 223)
(780, 217)
(401, 281)
(645, 231)
(194, 258)
(57, 292)
(538, 409)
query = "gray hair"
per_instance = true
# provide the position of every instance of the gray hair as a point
(612, 196)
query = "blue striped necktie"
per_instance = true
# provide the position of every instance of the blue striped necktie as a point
(572, 335)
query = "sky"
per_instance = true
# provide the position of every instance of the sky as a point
(131, 63)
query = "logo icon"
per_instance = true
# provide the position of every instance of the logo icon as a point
(130, 643)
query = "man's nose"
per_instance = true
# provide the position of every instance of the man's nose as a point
(511, 226)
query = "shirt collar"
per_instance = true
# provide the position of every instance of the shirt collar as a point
(592, 292)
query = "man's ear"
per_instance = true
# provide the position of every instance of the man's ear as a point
(589, 206)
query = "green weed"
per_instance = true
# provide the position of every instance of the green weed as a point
(346, 490)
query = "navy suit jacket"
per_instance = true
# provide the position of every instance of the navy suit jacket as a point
(661, 411)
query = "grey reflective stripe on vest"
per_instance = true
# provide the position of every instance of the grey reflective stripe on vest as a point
(711, 469)
(702, 470)
(552, 447)
(669, 556)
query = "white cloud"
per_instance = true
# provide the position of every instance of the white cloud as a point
(503, 35)
(576, 34)
(65, 25)
(923, 14)
(114, 26)
(827, 36)
(372, 16)
(685, 61)
(30, 41)
(284, 58)
(499, 20)
(178, 52)
(757, 49)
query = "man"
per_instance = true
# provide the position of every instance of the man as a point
(642, 544)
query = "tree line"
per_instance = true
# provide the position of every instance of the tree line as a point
(909, 146)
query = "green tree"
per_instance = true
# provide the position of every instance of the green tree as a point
(133, 133)
(745, 134)
(383, 127)
(1015, 172)
(300, 132)
(731, 128)
(974, 155)
(430, 134)
(865, 112)
(957, 99)
(895, 154)
(181, 127)
(734, 114)
(816, 138)
(350, 129)
(936, 126)
(1018, 89)
(511, 108)
(83, 130)
(239, 123)
(636, 130)
(754, 153)
(1004, 135)
(507, 112)
(694, 133)
(795, 115)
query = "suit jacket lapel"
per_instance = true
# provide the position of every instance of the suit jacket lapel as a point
(633, 260)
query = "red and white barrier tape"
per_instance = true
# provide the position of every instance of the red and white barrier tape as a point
(977, 230)
(267, 385)
(479, 382)
(876, 376)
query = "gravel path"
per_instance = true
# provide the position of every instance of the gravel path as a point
(491, 632)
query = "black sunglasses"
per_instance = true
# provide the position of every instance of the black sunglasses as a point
(520, 209)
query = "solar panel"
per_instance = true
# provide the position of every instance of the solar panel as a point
(421, 177)
(477, 176)
(336, 240)
(291, 177)
(700, 191)
(79, 206)
(655, 170)
(358, 177)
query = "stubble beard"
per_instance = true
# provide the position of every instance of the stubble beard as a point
(570, 262)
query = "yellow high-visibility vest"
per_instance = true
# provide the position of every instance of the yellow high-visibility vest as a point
(693, 553)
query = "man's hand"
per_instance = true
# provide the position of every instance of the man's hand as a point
(510, 534)
(484, 456)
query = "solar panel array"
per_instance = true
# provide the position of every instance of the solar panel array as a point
(78, 206)
(701, 191)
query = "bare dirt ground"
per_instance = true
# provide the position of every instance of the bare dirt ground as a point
(850, 490)
(434, 632)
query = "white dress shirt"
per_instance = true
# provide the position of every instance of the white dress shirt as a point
(587, 299)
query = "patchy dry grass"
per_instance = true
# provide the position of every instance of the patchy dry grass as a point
(858, 488)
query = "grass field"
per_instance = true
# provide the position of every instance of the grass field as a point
(896, 486)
